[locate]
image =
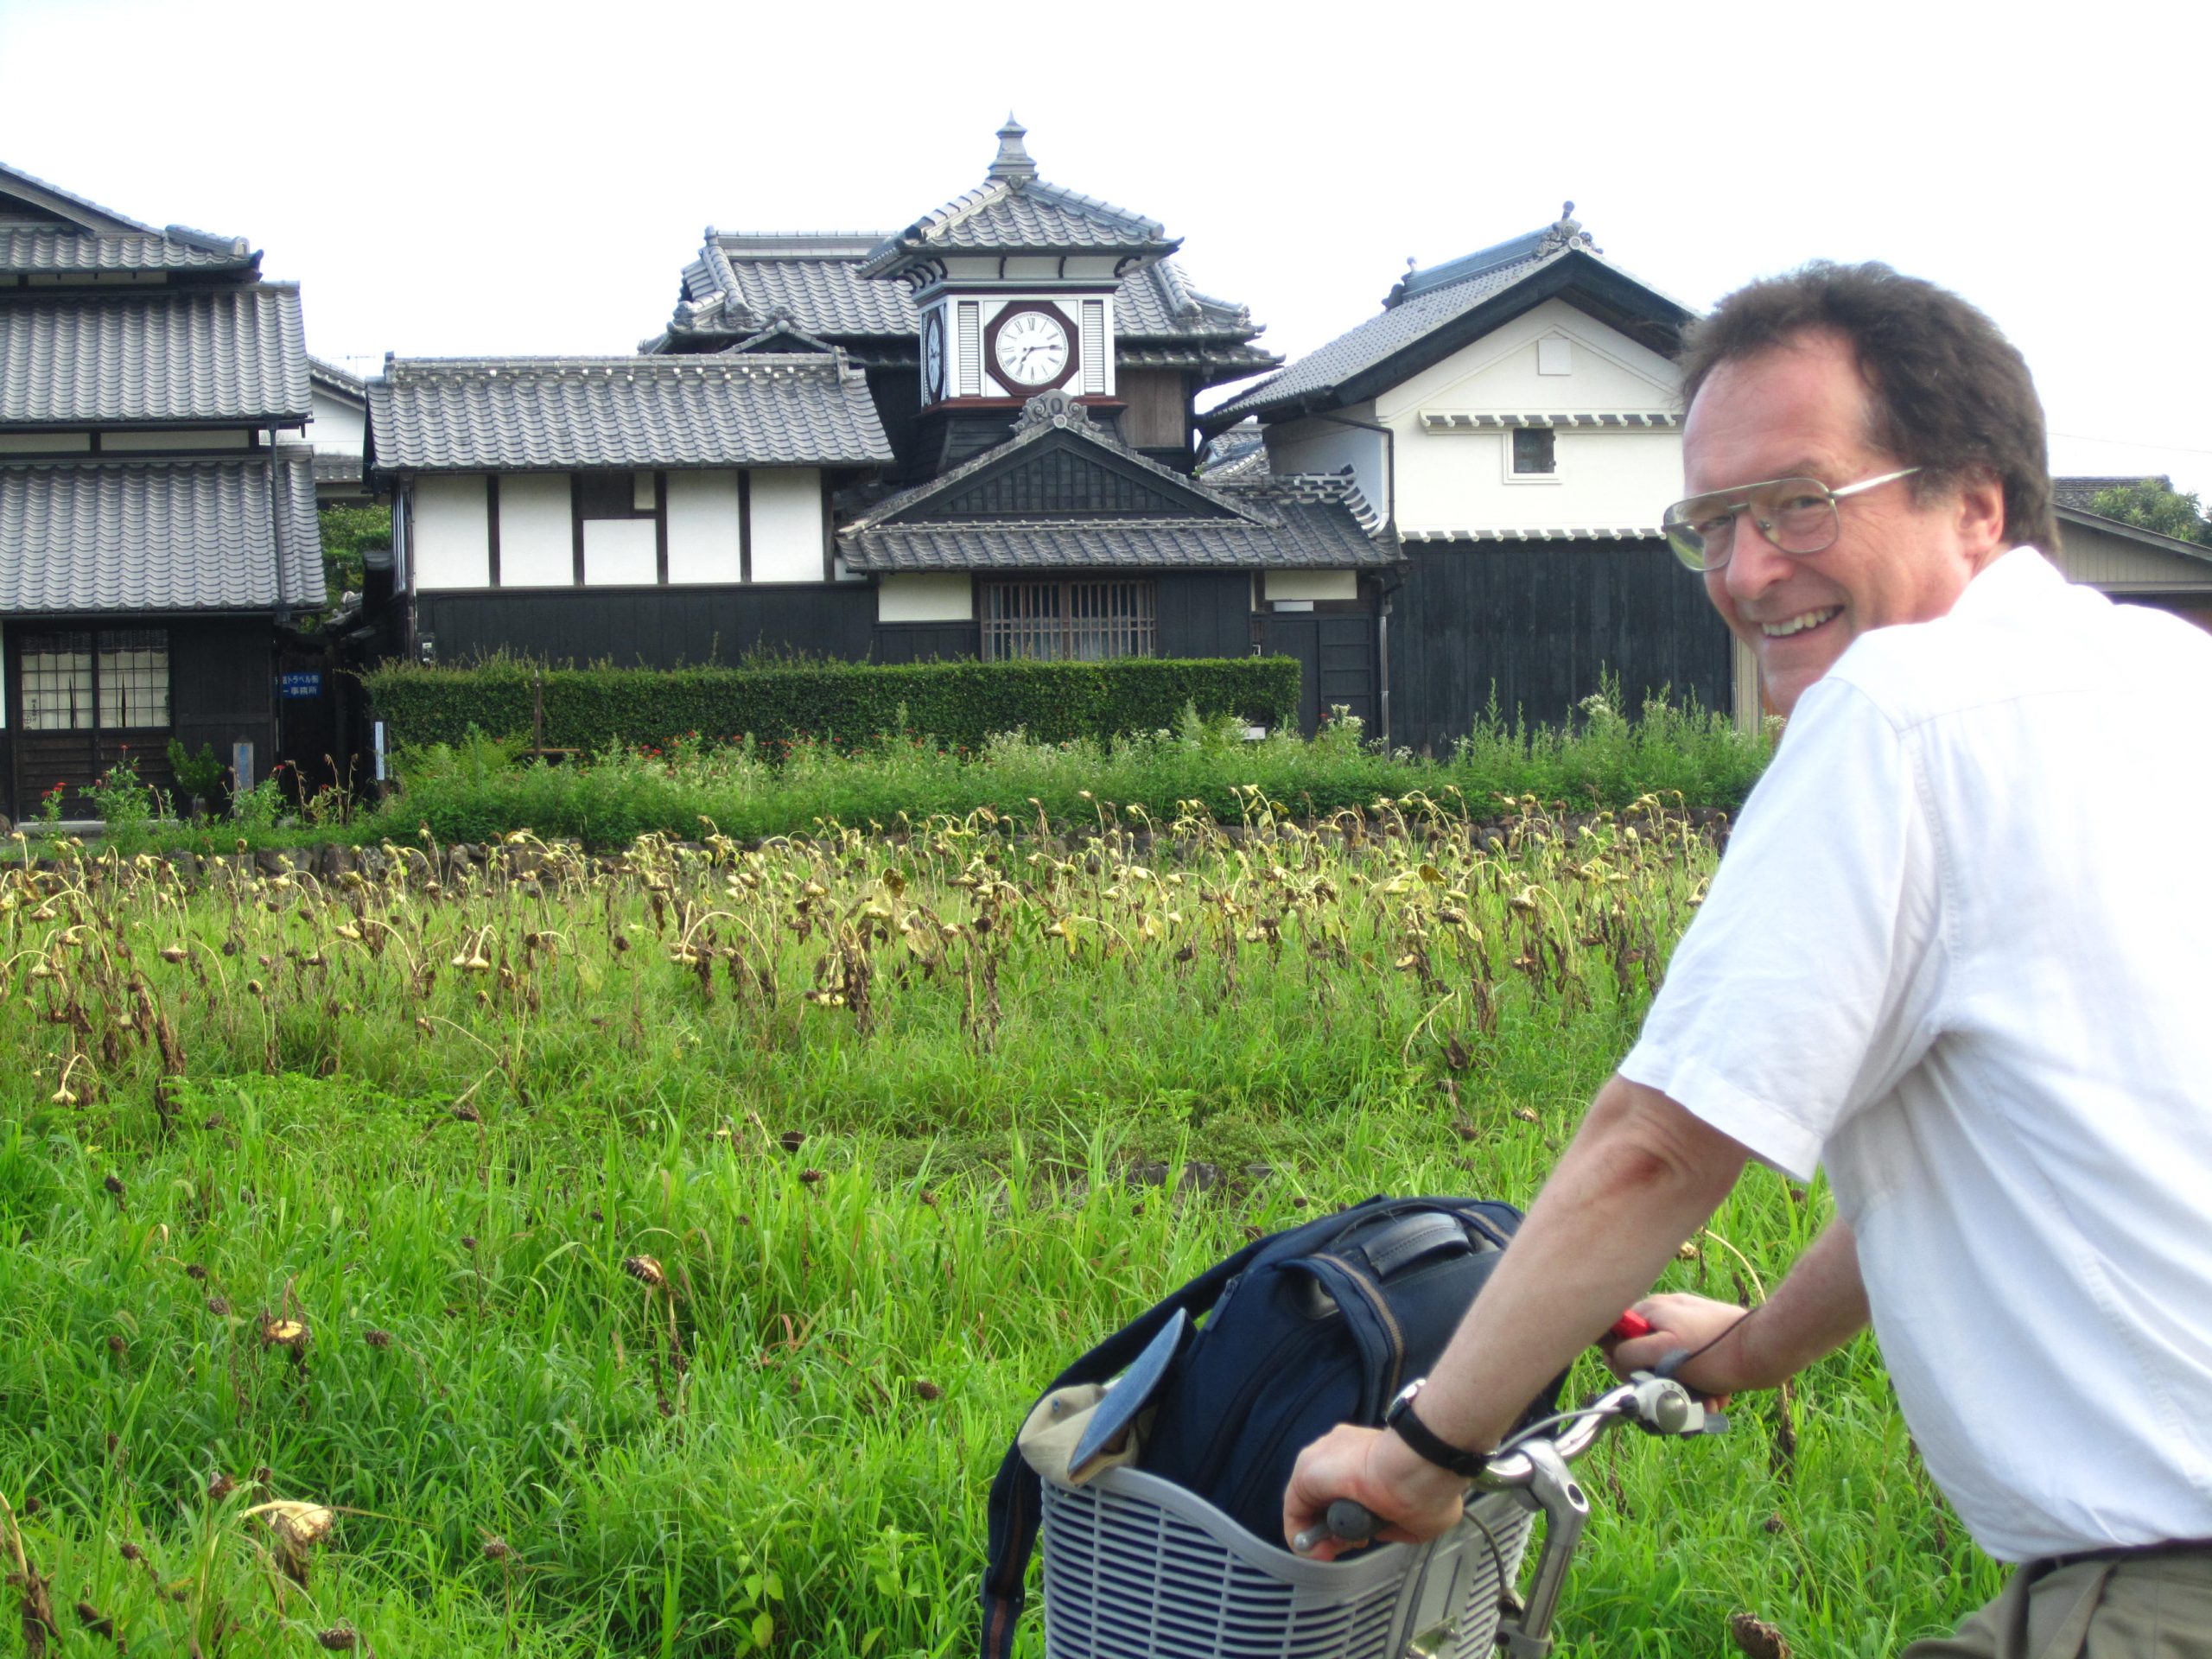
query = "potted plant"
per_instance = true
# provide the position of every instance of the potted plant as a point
(198, 776)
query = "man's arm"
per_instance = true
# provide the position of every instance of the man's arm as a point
(1641, 1175)
(1821, 1305)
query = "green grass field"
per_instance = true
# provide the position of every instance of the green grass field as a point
(654, 1255)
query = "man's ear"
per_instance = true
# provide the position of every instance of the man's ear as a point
(1980, 506)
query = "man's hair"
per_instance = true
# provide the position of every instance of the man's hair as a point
(1946, 391)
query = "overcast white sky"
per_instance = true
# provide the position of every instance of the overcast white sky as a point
(460, 177)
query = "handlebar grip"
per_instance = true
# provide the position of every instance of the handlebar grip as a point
(1349, 1522)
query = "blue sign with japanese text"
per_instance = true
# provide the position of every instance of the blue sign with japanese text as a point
(305, 684)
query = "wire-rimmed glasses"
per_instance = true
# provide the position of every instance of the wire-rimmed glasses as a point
(1798, 514)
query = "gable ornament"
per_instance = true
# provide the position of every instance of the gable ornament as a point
(1053, 408)
(1567, 233)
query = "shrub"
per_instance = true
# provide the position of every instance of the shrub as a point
(198, 775)
(126, 805)
(959, 703)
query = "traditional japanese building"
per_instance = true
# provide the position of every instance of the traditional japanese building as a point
(157, 523)
(1515, 413)
(973, 437)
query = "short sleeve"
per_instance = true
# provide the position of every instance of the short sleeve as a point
(1809, 981)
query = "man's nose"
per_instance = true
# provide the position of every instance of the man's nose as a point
(1755, 563)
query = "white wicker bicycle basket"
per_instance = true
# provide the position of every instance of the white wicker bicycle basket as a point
(1136, 1567)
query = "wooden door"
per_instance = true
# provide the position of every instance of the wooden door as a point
(1336, 659)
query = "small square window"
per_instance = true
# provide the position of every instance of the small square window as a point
(1534, 455)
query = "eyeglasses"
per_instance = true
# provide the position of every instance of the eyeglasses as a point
(1797, 515)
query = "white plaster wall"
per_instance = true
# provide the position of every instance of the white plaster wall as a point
(337, 428)
(927, 596)
(787, 525)
(1313, 445)
(1607, 478)
(703, 528)
(538, 537)
(175, 440)
(1457, 481)
(450, 541)
(13, 443)
(619, 552)
(1310, 584)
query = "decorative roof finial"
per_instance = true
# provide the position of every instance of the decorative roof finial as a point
(1567, 233)
(1012, 164)
(1053, 408)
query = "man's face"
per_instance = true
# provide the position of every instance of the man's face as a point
(1800, 411)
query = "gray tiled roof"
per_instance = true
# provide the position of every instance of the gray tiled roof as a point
(1300, 535)
(1300, 522)
(189, 535)
(1428, 302)
(1044, 415)
(336, 466)
(521, 414)
(2081, 493)
(1021, 217)
(1238, 455)
(164, 356)
(43, 250)
(739, 281)
(15, 181)
(1160, 320)
(337, 380)
(1378, 339)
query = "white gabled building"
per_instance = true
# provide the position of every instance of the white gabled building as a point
(1515, 414)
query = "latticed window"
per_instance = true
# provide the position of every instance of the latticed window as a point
(1068, 622)
(134, 678)
(1534, 450)
(57, 682)
(118, 680)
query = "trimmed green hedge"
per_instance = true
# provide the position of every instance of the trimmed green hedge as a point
(957, 704)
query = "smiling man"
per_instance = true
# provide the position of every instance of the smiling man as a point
(1947, 957)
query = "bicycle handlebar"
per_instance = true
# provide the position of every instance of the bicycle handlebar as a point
(1657, 1404)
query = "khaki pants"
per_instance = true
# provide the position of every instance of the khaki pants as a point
(2142, 1606)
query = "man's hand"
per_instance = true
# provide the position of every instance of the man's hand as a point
(1416, 1499)
(1679, 1320)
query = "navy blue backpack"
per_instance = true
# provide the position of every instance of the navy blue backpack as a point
(1317, 1325)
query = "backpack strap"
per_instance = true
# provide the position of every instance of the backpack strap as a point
(1016, 1495)
(1374, 1327)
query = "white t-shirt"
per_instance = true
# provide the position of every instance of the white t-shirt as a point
(1959, 953)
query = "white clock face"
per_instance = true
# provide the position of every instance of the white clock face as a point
(933, 355)
(1032, 349)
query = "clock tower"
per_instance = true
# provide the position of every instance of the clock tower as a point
(1014, 285)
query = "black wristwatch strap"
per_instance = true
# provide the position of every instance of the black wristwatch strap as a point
(1415, 1433)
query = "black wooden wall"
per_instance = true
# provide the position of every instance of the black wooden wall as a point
(1205, 614)
(650, 627)
(1541, 622)
(223, 678)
